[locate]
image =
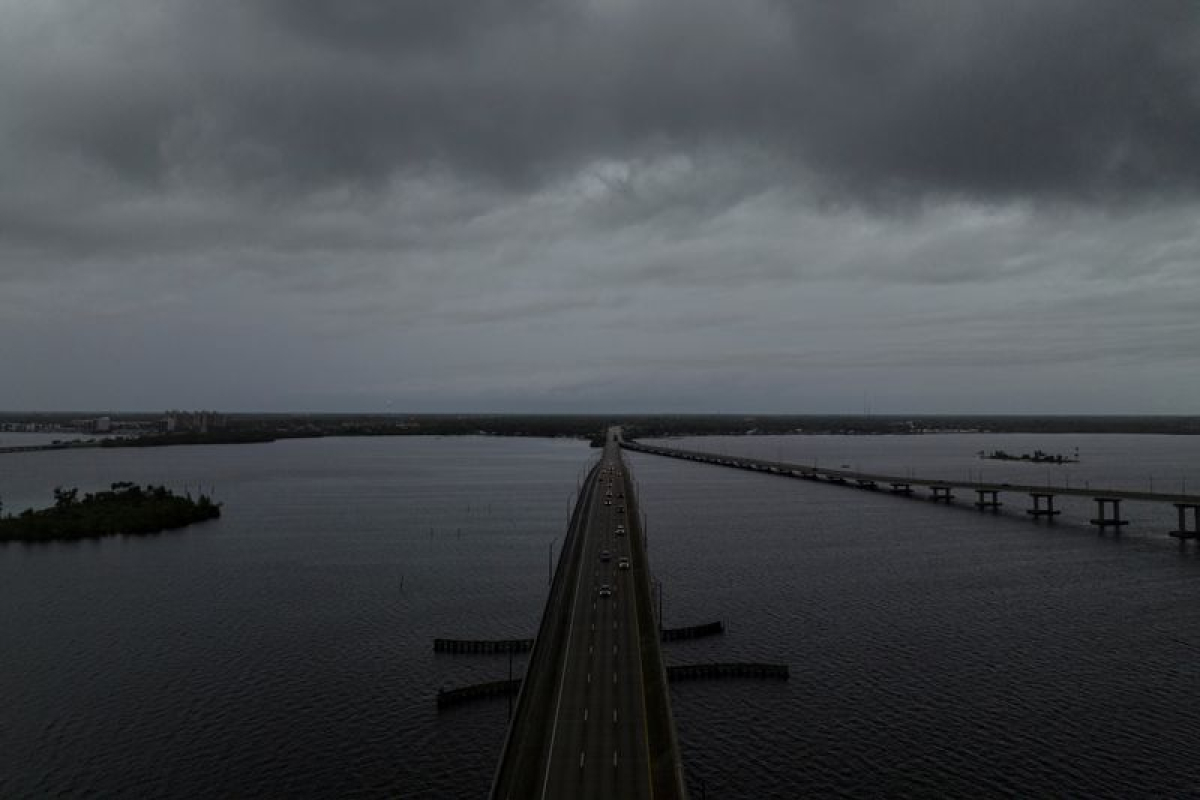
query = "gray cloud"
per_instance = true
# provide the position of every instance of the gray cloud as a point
(1066, 98)
(438, 203)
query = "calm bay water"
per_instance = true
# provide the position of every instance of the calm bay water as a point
(286, 648)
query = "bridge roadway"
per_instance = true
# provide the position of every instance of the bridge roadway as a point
(804, 471)
(593, 718)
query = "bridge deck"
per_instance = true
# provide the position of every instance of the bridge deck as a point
(747, 462)
(593, 718)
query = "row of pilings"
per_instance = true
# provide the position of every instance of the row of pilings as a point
(461, 646)
(492, 646)
(682, 672)
(693, 631)
(692, 672)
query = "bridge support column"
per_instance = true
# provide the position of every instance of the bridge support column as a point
(988, 498)
(1037, 511)
(902, 488)
(1183, 534)
(869, 485)
(941, 494)
(1103, 520)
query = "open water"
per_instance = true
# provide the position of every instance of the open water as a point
(286, 649)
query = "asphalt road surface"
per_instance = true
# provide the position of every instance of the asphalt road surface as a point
(593, 719)
(597, 722)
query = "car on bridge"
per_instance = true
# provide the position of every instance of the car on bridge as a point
(623, 563)
(605, 555)
(605, 590)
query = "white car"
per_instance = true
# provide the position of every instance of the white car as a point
(623, 563)
(605, 590)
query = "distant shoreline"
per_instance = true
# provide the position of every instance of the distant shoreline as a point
(266, 428)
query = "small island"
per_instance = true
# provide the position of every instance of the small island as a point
(1037, 457)
(126, 509)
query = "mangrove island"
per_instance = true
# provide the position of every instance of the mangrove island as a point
(126, 509)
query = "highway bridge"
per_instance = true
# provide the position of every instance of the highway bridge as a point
(593, 719)
(1108, 501)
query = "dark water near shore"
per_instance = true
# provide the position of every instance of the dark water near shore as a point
(286, 648)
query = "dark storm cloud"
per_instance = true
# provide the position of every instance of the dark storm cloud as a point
(448, 204)
(1005, 99)
(1088, 99)
(385, 26)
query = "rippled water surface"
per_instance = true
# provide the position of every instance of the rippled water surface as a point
(934, 651)
(286, 648)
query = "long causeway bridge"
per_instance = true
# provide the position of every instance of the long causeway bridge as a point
(593, 718)
(987, 493)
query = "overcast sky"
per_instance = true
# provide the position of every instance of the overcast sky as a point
(601, 205)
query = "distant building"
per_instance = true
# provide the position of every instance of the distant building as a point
(193, 421)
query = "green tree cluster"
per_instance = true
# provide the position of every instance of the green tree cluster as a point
(126, 509)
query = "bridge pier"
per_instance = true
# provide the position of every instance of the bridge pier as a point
(1042, 498)
(1103, 520)
(988, 498)
(1183, 534)
(941, 493)
(1037, 511)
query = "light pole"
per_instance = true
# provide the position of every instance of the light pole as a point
(660, 608)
